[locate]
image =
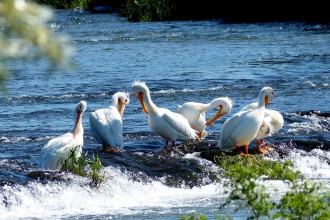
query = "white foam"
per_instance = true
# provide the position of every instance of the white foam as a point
(117, 196)
(313, 164)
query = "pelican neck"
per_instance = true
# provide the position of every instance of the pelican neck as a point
(149, 103)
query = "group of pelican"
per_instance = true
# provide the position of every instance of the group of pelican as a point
(106, 127)
(188, 122)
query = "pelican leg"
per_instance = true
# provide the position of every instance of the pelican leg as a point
(261, 146)
(239, 149)
(173, 143)
(109, 148)
(166, 143)
(200, 136)
(246, 151)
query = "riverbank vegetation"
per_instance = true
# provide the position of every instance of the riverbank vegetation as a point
(247, 179)
(166, 10)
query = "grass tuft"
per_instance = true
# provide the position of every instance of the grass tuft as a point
(83, 166)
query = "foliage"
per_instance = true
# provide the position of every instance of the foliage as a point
(94, 174)
(193, 217)
(61, 4)
(149, 10)
(303, 199)
(268, 168)
(83, 166)
(26, 34)
(75, 164)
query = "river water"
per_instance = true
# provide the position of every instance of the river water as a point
(180, 61)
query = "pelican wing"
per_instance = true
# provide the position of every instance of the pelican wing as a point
(194, 113)
(238, 130)
(52, 155)
(226, 134)
(106, 126)
(180, 124)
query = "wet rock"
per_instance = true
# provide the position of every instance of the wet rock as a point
(45, 176)
(314, 112)
(6, 183)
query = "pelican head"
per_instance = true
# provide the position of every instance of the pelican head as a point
(78, 113)
(266, 95)
(120, 100)
(140, 90)
(225, 104)
(81, 106)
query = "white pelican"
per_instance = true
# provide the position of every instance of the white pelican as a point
(169, 125)
(106, 124)
(240, 129)
(195, 113)
(272, 123)
(57, 150)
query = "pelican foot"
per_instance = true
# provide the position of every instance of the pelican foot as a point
(110, 149)
(263, 149)
(244, 155)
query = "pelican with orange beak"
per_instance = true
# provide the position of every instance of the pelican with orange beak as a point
(195, 113)
(106, 124)
(57, 150)
(240, 129)
(171, 126)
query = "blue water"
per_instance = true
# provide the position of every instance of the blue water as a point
(180, 61)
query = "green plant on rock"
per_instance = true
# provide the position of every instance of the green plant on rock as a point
(83, 166)
(269, 169)
(74, 164)
(95, 174)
